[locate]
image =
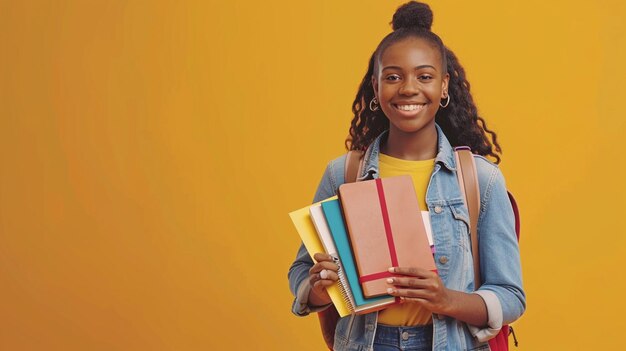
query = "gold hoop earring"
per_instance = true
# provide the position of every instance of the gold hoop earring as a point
(375, 102)
(447, 102)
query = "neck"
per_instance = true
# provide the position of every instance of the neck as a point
(415, 146)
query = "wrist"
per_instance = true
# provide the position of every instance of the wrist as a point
(451, 307)
(317, 298)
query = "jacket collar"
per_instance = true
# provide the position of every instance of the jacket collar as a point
(445, 154)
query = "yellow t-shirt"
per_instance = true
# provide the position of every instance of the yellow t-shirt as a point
(407, 313)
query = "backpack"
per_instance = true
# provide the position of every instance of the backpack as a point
(468, 180)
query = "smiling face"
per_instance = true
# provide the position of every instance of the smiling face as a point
(409, 85)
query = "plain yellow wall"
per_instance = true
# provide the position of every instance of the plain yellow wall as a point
(151, 150)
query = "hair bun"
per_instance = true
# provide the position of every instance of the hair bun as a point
(412, 14)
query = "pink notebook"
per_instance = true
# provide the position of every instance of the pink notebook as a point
(386, 229)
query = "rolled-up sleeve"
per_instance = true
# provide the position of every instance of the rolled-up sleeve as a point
(500, 265)
(299, 284)
(299, 270)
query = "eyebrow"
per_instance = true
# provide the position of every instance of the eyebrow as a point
(418, 67)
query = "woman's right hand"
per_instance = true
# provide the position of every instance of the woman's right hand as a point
(322, 275)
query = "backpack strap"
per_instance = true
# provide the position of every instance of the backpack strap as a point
(468, 181)
(353, 166)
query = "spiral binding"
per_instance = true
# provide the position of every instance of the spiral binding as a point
(344, 286)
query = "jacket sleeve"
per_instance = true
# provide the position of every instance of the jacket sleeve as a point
(299, 270)
(500, 265)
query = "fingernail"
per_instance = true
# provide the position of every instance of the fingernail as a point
(389, 290)
(389, 280)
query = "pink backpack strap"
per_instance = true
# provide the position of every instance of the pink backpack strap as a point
(466, 167)
(468, 182)
(353, 166)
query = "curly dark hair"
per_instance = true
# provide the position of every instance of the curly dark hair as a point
(459, 121)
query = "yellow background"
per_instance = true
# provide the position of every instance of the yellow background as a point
(151, 150)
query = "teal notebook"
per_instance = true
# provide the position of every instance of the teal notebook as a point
(334, 218)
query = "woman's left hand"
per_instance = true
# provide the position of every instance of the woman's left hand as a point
(422, 286)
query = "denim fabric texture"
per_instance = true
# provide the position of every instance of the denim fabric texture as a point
(499, 252)
(390, 338)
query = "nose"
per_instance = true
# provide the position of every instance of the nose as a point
(409, 87)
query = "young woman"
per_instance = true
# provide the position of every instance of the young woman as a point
(412, 107)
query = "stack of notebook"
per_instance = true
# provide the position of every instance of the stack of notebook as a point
(371, 226)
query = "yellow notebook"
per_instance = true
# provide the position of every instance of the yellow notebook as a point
(304, 225)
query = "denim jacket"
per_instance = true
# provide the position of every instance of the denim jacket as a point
(499, 252)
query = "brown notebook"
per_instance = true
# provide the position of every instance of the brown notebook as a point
(386, 229)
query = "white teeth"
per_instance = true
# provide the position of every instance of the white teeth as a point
(409, 107)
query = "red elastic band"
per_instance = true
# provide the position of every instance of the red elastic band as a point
(383, 208)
